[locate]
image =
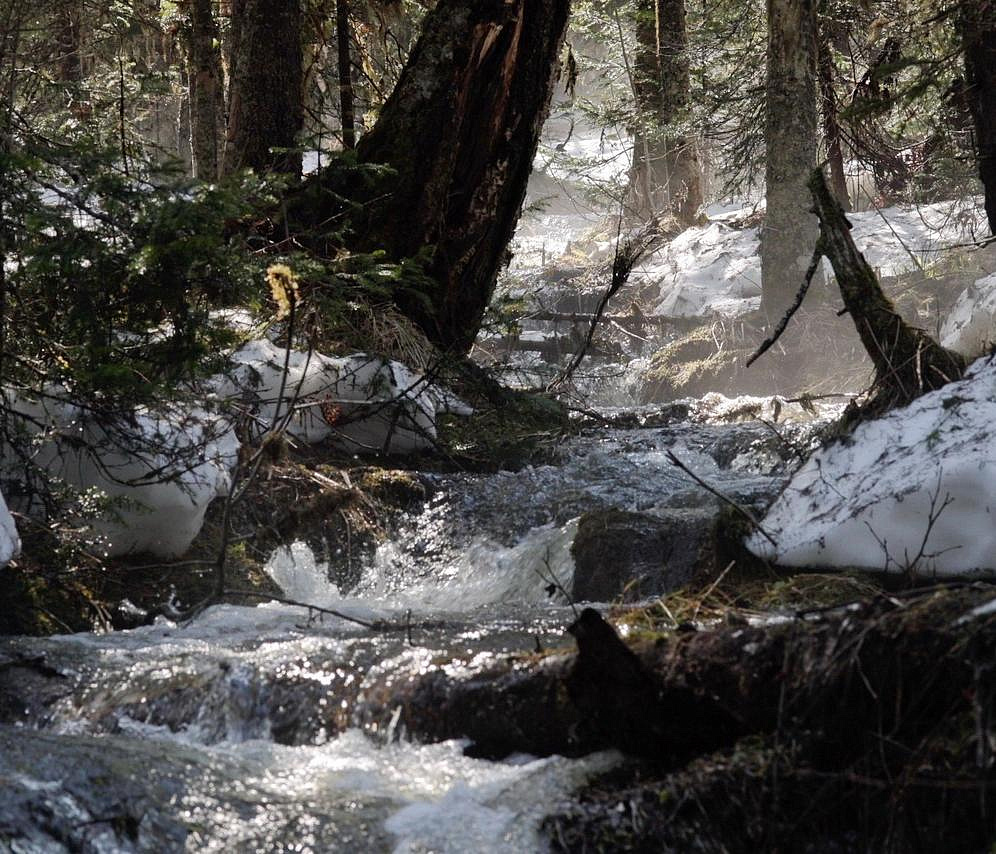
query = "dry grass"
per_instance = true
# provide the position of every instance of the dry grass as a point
(733, 600)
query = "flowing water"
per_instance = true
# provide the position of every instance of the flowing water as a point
(238, 731)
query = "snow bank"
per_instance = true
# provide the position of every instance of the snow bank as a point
(971, 326)
(10, 543)
(158, 471)
(716, 268)
(916, 488)
(361, 403)
(142, 482)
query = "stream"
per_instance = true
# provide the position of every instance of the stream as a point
(244, 730)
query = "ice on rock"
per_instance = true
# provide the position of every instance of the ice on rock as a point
(913, 489)
(362, 403)
(159, 470)
(10, 543)
(970, 328)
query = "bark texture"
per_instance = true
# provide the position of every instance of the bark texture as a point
(265, 102)
(206, 91)
(67, 37)
(460, 130)
(829, 111)
(790, 228)
(978, 24)
(908, 362)
(666, 176)
(345, 66)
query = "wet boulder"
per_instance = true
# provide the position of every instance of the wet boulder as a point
(627, 555)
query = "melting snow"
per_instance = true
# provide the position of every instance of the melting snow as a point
(10, 543)
(379, 405)
(914, 489)
(971, 326)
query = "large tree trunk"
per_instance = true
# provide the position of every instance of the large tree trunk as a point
(666, 176)
(206, 91)
(790, 139)
(265, 101)
(978, 23)
(461, 130)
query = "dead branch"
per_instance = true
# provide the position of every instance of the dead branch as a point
(792, 309)
(743, 511)
(628, 254)
(908, 362)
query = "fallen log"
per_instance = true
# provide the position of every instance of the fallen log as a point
(884, 699)
(550, 349)
(630, 322)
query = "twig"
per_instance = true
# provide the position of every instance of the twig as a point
(710, 588)
(627, 256)
(554, 582)
(378, 626)
(792, 309)
(743, 511)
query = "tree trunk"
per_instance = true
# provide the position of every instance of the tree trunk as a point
(978, 25)
(666, 175)
(67, 38)
(265, 101)
(182, 120)
(343, 38)
(831, 125)
(206, 95)
(790, 228)
(908, 362)
(461, 130)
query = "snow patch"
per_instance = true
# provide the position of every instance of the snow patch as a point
(362, 403)
(915, 489)
(716, 268)
(10, 543)
(971, 326)
(159, 469)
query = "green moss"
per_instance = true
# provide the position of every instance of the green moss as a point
(692, 366)
(508, 429)
(393, 487)
(37, 604)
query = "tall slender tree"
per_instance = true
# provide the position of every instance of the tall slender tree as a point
(666, 176)
(832, 136)
(206, 91)
(978, 28)
(790, 228)
(343, 37)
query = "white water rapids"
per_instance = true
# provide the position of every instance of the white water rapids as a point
(234, 732)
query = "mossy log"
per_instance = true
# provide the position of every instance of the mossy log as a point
(908, 362)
